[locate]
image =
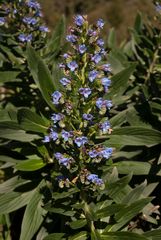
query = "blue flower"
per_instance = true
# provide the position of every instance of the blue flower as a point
(105, 126)
(71, 38)
(56, 97)
(93, 153)
(53, 135)
(25, 38)
(58, 155)
(95, 179)
(101, 103)
(29, 20)
(92, 75)
(80, 141)
(106, 153)
(106, 67)
(44, 29)
(62, 160)
(66, 135)
(106, 83)
(46, 139)
(33, 4)
(65, 55)
(100, 23)
(96, 58)
(57, 117)
(2, 21)
(64, 81)
(72, 65)
(100, 42)
(87, 116)
(79, 20)
(85, 92)
(91, 32)
(158, 7)
(82, 48)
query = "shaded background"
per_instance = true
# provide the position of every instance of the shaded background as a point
(119, 14)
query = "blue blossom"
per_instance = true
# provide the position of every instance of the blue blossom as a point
(58, 155)
(100, 23)
(106, 67)
(92, 75)
(100, 103)
(95, 179)
(29, 20)
(93, 153)
(96, 58)
(66, 135)
(61, 65)
(106, 83)
(100, 42)
(62, 160)
(158, 7)
(80, 141)
(106, 153)
(56, 97)
(82, 48)
(25, 38)
(44, 29)
(72, 65)
(2, 21)
(79, 20)
(53, 135)
(65, 81)
(56, 117)
(91, 32)
(71, 38)
(46, 139)
(105, 126)
(85, 92)
(33, 4)
(65, 55)
(87, 116)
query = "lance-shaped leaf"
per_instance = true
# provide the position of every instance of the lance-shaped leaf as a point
(31, 121)
(34, 214)
(30, 165)
(122, 236)
(41, 75)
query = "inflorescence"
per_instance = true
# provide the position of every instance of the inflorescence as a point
(82, 112)
(24, 17)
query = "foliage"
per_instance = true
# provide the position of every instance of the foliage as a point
(61, 181)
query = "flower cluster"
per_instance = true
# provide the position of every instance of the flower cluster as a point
(23, 18)
(82, 112)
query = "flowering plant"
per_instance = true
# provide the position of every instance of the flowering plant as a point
(22, 20)
(82, 111)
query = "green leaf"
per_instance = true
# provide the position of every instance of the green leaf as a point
(120, 81)
(56, 236)
(153, 234)
(128, 212)
(34, 214)
(41, 75)
(79, 236)
(138, 22)
(30, 165)
(17, 135)
(12, 201)
(78, 223)
(8, 76)
(134, 136)
(112, 38)
(137, 168)
(109, 210)
(56, 39)
(11, 184)
(122, 236)
(31, 121)
(134, 194)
